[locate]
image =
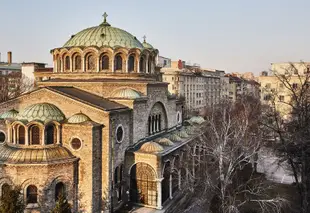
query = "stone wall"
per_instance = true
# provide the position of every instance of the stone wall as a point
(44, 177)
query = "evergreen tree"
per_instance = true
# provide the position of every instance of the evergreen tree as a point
(62, 205)
(11, 201)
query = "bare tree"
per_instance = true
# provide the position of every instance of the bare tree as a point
(231, 142)
(288, 119)
(13, 85)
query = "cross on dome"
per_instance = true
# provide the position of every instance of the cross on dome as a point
(105, 15)
(144, 38)
(105, 23)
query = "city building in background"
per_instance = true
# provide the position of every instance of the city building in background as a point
(163, 62)
(199, 87)
(240, 87)
(10, 75)
(271, 85)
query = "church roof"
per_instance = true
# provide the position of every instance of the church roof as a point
(104, 35)
(41, 112)
(16, 155)
(88, 98)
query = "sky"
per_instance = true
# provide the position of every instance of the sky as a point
(230, 35)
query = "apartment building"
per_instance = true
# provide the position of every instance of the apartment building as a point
(239, 87)
(199, 87)
(271, 87)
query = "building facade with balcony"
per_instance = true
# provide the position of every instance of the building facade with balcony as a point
(200, 88)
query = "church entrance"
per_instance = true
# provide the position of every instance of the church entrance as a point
(143, 186)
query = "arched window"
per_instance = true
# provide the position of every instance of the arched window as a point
(118, 185)
(59, 65)
(150, 125)
(60, 190)
(77, 63)
(143, 185)
(91, 62)
(150, 65)
(157, 119)
(118, 62)
(32, 194)
(175, 174)
(153, 124)
(121, 170)
(116, 171)
(5, 189)
(131, 63)
(21, 135)
(51, 134)
(2, 137)
(105, 62)
(67, 63)
(166, 182)
(35, 135)
(142, 64)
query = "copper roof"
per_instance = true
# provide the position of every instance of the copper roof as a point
(17, 155)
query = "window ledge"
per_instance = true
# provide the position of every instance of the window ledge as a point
(32, 206)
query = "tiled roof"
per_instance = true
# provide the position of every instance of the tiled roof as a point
(88, 98)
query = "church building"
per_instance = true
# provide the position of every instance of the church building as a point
(101, 129)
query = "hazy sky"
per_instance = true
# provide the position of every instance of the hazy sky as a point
(234, 35)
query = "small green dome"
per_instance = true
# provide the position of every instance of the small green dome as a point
(182, 134)
(104, 35)
(11, 114)
(78, 118)
(175, 137)
(126, 93)
(197, 120)
(151, 147)
(165, 142)
(42, 112)
(147, 45)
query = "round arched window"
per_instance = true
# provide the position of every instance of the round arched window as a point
(179, 117)
(76, 143)
(2, 137)
(119, 134)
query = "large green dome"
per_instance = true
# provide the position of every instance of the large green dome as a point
(104, 35)
(41, 112)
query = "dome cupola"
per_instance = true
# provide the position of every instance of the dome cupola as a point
(78, 118)
(41, 112)
(104, 35)
(126, 93)
(146, 45)
(151, 147)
